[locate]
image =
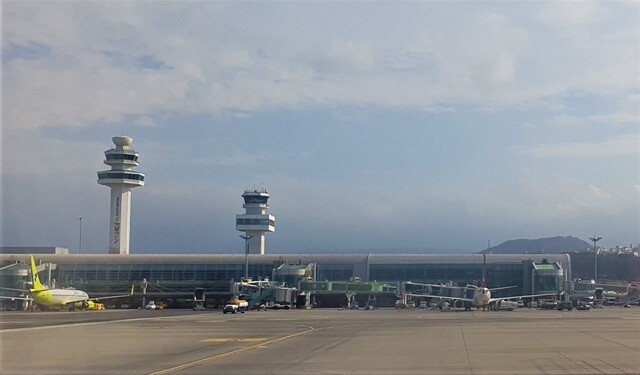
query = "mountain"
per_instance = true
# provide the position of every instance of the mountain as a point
(551, 245)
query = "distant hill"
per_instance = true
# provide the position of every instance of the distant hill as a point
(551, 245)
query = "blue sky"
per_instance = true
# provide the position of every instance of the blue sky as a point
(423, 126)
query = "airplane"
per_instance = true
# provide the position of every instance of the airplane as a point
(57, 297)
(481, 295)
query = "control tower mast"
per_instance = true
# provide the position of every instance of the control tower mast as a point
(255, 222)
(121, 179)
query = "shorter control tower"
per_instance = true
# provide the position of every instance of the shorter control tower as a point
(255, 221)
(121, 179)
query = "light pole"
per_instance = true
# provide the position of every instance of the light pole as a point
(246, 254)
(80, 240)
(144, 285)
(595, 257)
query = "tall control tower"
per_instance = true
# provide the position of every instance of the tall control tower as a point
(255, 221)
(121, 179)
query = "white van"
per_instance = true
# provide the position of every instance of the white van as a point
(505, 305)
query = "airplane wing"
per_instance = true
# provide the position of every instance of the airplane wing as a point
(102, 298)
(523, 296)
(442, 297)
(14, 289)
(504, 287)
(427, 284)
(17, 298)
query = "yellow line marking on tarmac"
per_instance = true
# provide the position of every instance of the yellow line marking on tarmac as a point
(213, 357)
(216, 340)
(249, 339)
(164, 320)
(210, 321)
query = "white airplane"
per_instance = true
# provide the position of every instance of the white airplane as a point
(57, 297)
(481, 295)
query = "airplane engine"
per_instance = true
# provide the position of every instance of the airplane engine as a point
(458, 304)
(81, 304)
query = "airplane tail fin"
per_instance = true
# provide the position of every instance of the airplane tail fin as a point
(37, 285)
(484, 271)
(132, 285)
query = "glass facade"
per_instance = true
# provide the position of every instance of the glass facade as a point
(334, 272)
(497, 274)
(121, 175)
(546, 282)
(98, 273)
(176, 276)
(255, 222)
(255, 199)
(122, 157)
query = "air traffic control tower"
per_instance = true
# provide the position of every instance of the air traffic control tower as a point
(121, 179)
(255, 221)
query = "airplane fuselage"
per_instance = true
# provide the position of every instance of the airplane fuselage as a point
(481, 297)
(58, 297)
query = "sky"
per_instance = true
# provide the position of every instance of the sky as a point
(428, 126)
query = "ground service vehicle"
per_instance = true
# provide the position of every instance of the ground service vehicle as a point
(505, 305)
(236, 305)
(583, 306)
(150, 306)
(230, 308)
(278, 306)
(547, 304)
(95, 306)
(565, 305)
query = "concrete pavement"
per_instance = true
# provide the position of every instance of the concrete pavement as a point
(322, 341)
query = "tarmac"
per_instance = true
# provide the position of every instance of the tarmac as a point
(321, 341)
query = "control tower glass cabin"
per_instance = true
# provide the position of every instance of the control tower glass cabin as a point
(256, 221)
(121, 179)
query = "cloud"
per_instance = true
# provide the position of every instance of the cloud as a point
(90, 63)
(570, 13)
(623, 145)
(365, 135)
(236, 159)
(37, 96)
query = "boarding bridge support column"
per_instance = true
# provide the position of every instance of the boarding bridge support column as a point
(349, 298)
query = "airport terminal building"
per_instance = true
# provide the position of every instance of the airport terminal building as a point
(180, 274)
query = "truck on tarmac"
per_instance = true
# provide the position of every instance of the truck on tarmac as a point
(565, 305)
(505, 305)
(236, 305)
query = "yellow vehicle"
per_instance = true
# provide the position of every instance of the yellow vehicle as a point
(95, 306)
(236, 305)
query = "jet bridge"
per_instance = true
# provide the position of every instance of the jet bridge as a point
(411, 290)
(345, 293)
(262, 291)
